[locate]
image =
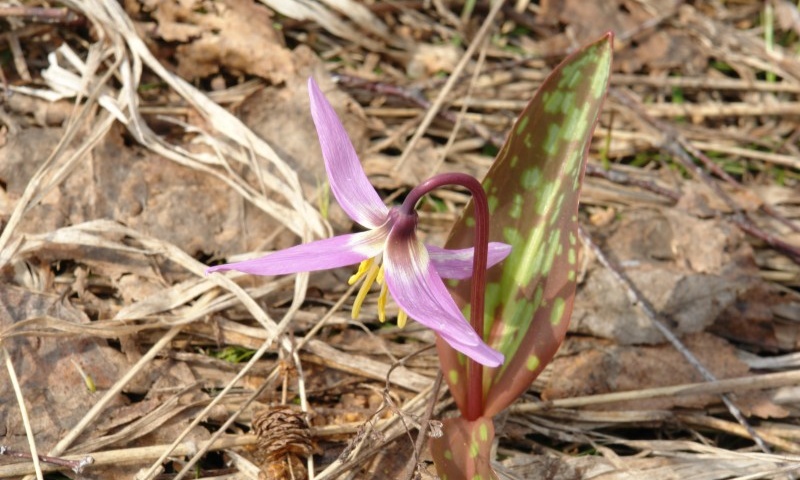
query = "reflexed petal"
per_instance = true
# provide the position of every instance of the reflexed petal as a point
(482, 353)
(458, 263)
(418, 289)
(320, 255)
(348, 181)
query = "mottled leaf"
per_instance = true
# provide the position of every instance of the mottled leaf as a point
(464, 452)
(533, 188)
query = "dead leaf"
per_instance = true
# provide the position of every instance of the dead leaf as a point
(597, 367)
(787, 15)
(691, 302)
(427, 60)
(750, 320)
(234, 34)
(23, 154)
(145, 192)
(49, 370)
(689, 282)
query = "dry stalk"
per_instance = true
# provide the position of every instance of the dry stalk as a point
(26, 421)
(129, 456)
(716, 387)
(488, 22)
(112, 393)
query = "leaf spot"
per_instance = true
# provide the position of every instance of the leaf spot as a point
(557, 313)
(550, 145)
(493, 201)
(516, 206)
(522, 124)
(453, 376)
(553, 101)
(532, 363)
(545, 199)
(531, 178)
(553, 245)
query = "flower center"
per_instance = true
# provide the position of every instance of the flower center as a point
(371, 271)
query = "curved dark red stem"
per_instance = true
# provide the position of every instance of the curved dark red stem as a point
(478, 291)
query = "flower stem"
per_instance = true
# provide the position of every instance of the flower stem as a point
(474, 407)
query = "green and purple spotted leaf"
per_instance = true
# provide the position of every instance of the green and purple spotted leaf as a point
(466, 450)
(533, 188)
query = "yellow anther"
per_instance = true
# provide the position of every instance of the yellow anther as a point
(372, 274)
(402, 318)
(382, 297)
(362, 269)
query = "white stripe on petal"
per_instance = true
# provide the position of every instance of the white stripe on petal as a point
(418, 289)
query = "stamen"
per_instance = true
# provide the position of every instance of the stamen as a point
(402, 318)
(362, 269)
(362, 292)
(372, 273)
(382, 297)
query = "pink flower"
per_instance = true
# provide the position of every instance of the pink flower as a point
(411, 271)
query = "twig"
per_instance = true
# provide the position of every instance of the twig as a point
(112, 393)
(728, 385)
(459, 120)
(198, 455)
(425, 424)
(137, 454)
(622, 178)
(414, 96)
(42, 15)
(23, 410)
(76, 466)
(651, 313)
(713, 167)
(673, 143)
(19, 58)
(715, 110)
(454, 77)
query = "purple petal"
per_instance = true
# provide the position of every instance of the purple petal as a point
(348, 181)
(320, 255)
(458, 263)
(418, 289)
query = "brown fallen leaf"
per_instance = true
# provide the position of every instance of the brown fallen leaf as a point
(143, 191)
(659, 49)
(750, 320)
(50, 370)
(593, 367)
(427, 60)
(688, 281)
(237, 35)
